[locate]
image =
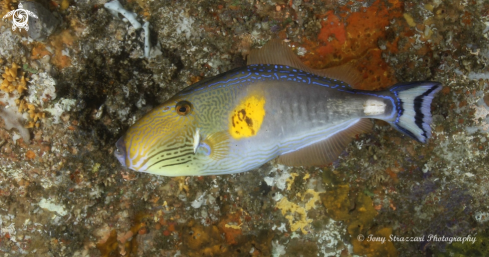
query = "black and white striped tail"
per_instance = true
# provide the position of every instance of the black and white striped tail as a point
(414, 108)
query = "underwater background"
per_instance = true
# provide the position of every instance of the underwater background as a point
(83, 74)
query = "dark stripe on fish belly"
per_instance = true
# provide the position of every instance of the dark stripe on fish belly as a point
(166, 150)
(168, 165)
(187, 154)
(170, 149)
(173, 157)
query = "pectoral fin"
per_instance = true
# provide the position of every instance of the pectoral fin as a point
(328, 150)
(215, 145)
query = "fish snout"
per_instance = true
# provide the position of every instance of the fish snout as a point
(120, 151)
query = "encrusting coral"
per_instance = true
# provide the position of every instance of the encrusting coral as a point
(34, 115)
(12, 82)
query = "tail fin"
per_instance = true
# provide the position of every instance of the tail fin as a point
(414, 108)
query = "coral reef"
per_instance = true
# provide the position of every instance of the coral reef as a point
(63, 194)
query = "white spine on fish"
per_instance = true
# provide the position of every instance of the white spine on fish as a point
(374, 107)
(196, 139)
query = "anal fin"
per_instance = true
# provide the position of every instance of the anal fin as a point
(328, 150)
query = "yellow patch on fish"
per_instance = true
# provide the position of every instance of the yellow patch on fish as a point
(247, 117)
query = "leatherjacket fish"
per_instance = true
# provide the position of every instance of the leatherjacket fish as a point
(274, 107)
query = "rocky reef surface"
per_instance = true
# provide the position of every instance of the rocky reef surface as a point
(91, 72)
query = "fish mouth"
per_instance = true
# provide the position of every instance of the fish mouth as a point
(120, 151)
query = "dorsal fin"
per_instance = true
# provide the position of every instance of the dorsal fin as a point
(276, 52)
(326, 151)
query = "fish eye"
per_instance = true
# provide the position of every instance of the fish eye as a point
(183, 108)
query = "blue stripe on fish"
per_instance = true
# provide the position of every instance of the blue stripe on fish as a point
(231, 78)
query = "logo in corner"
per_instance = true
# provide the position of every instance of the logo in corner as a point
(20, 17)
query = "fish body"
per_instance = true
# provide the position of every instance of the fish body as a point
(241, 119)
